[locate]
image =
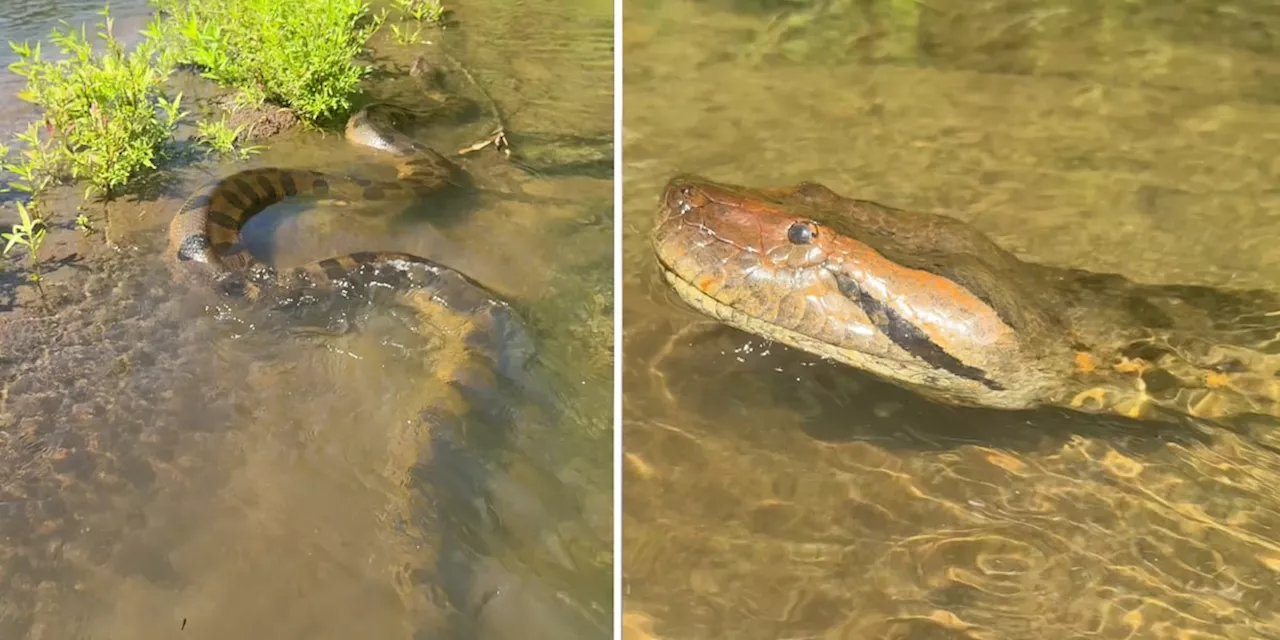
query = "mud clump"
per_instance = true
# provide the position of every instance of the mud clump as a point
(259, 123)
(262, 123)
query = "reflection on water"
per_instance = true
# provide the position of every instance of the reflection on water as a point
(769, 495)
(263, 474)
(32, 20)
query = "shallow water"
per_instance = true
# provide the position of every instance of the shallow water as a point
(32, 20)
(770, 495)
(164, 469)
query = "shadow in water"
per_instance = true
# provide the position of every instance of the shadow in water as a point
(837, 403)
(165, 183)
(13, 278)
(468, 510)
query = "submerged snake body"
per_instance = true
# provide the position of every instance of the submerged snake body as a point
(486, 348)
(932, 304)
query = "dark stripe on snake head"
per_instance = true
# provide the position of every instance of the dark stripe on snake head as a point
(908, 336)
(286, 182)
(320, 187)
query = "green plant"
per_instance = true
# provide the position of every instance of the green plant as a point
(421, 10)
(28, 233)
(106, 119)
(221, 138)
(404, 36)
(297, 53)
(40, 166)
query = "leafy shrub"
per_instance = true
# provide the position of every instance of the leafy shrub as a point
(106, 119)
(297, 53)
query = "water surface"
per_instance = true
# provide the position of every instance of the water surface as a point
(32, 20)
(165, 469)
(771, 495)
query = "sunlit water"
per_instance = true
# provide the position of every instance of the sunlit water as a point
(32, 20)
(770, 495)
(164, 470)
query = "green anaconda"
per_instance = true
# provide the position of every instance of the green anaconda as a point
(478, 365)
(931, 304)
(205, 249)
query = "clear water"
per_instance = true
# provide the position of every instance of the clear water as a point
(165, 470)
(769, 495)
(32, 20)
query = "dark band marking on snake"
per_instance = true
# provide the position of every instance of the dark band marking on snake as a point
(930, 303)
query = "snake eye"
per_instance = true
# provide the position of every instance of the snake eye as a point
(802, 232)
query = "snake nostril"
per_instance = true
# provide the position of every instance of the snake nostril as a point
(680, 201)
(684, 198)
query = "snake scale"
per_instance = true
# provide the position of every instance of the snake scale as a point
(930, 303)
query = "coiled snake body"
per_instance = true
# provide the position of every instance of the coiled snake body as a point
(486, 345)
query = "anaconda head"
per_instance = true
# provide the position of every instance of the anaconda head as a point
(918, 299)
(419, 162)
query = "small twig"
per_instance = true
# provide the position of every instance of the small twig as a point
(44, 300)
(498, 139)
(106, 221)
